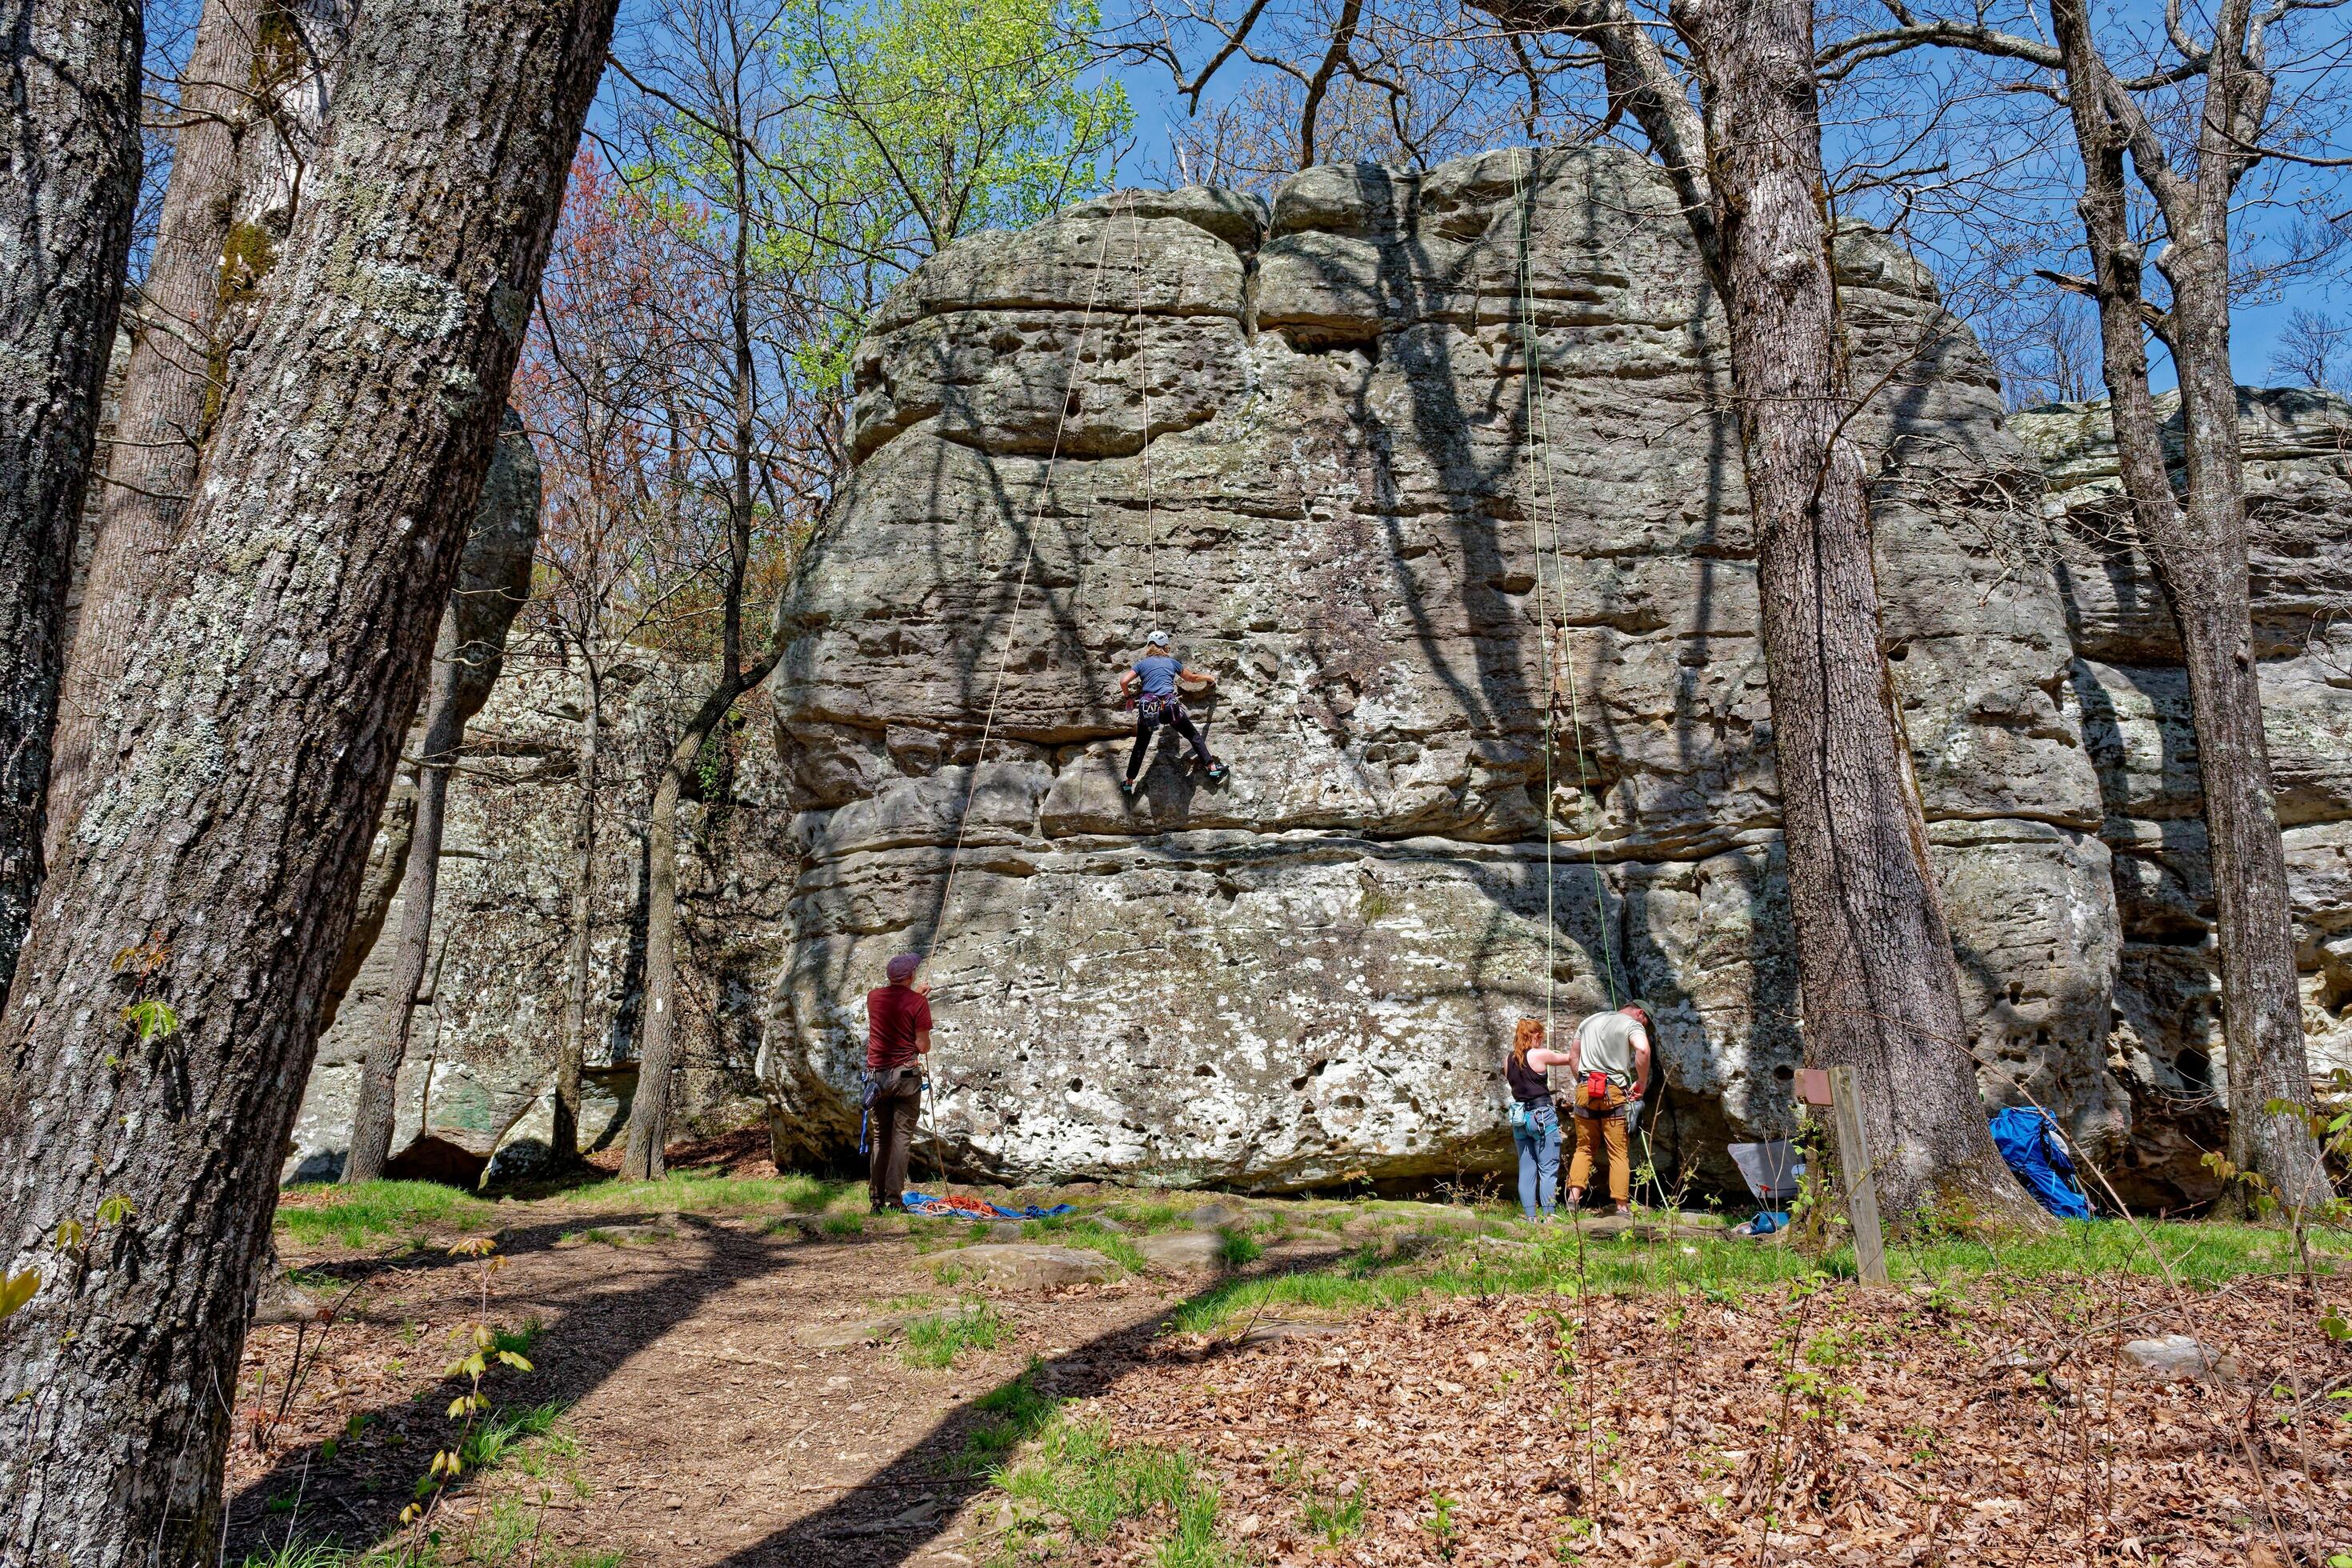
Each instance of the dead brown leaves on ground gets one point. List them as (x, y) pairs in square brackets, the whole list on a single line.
[(1830, 1426)]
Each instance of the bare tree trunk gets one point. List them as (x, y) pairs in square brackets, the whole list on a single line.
[(493, 583), (372, 1117), (564, 1143), (171, 386), (1874, 955), (200, 906), (2198, 549), (649, 1112), (657, 1057), (69, 182)]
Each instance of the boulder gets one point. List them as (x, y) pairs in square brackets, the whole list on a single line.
[(2180, 1358), (1302, 441), (1026, 1266), (1182, 1251)]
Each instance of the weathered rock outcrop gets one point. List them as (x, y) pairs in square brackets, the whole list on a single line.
[(1301, 437), (2131, 698), (476, 1089)]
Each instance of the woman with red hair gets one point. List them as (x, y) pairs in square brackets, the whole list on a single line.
[(1534, 1121)]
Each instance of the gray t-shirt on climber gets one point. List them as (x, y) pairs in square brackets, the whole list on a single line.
[(1158, 673), (1606, 1043)]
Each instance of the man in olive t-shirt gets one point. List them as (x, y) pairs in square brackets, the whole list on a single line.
[(898, 1036)]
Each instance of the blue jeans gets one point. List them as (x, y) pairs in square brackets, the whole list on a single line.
[(1539, 1143)]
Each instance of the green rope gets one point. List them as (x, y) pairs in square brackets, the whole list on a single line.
[(1539, 441)]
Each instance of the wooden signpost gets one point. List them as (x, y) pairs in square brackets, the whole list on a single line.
[(1835, 1089)]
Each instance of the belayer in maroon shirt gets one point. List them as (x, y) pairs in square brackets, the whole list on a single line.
[(898, 1035)]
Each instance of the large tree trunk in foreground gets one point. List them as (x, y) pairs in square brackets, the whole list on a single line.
[(176, 376), (69, 182), (1873, 955), (493, 581), (2198, 549), (204, 900)]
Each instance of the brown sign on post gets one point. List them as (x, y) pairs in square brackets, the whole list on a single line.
[(1812, 1086)]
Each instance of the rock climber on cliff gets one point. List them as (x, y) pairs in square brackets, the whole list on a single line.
[(1609, 1058), (1153, 686), (898, 1038)]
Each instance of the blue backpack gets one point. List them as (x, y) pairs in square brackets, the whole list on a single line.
[(2029, 1140)]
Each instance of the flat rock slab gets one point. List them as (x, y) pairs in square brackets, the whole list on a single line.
[(1217, 1215), (2178, 1358), (1275, 1331), (621, 1236), (1182, 1251), (856, 1332), (1026, 1266)]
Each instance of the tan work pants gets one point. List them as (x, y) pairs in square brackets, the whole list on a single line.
[(1597, 1122)]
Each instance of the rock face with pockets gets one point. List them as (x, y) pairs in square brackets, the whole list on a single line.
[(1307, 440)]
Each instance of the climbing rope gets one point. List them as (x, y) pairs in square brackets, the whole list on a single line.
[(1538, 415), (1143, 380), (1070, 394)]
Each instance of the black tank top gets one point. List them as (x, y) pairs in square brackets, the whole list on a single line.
[(1528, 1086)]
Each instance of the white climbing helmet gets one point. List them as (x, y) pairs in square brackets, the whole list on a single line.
[(1157, 639)]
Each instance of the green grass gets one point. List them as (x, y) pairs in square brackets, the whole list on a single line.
[(709, 1192), (505, 1431), (1237, 1250), (519, 1336), (500, 1541), (1011, 1414), (844, 1224), (371, 1210), (1078, 1230), (2203, 1253), (1337, 1518), (936, 1339), (1079, 1482)]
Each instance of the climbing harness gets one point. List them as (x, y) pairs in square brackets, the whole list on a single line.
[(1556, 666), (1559, 667)]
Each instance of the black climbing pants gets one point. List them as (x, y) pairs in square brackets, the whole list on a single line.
[(891, 1134), (1176, 718)]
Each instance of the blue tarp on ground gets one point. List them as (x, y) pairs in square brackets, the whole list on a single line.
[(974, 1208), (2029, 1140)]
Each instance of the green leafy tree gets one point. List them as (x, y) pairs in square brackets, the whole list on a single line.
[(801, 157)]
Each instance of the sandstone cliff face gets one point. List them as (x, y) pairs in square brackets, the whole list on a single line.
[(1301, 437), (476, 1092), (2131, 702)]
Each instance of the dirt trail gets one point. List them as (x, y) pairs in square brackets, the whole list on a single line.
[(710, 1429), (725, 1403)]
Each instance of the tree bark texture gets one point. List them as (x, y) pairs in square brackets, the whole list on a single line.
[(154, 1048), (657, 1055), (571, 1065), (1874, 955), (371, 1115), (493, 581), (216, 244), (2197, 544), (68, 183)]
